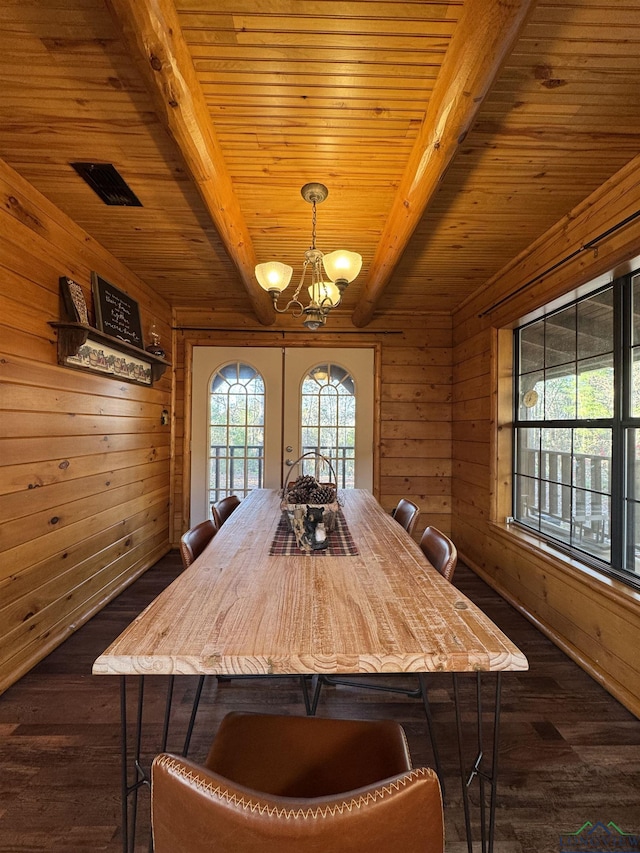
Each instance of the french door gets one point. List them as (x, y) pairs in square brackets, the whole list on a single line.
[(256, 410)]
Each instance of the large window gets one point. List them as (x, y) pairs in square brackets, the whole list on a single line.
[(577, 427)]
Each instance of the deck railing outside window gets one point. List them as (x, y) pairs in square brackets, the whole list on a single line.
[(342, 459), (566, 496), (235, 470), (238, 470)]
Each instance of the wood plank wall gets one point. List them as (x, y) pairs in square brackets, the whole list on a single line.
[(594, 619), (413, 456), (84, 460)]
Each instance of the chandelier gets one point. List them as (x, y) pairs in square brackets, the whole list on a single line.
[(340, 267)]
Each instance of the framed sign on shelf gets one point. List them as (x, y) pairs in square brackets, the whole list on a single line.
[(117, 313), (74, 301)]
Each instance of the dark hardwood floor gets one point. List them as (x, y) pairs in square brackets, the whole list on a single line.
[(569, 753)]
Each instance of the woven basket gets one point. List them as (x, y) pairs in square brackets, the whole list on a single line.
[(330, 510)]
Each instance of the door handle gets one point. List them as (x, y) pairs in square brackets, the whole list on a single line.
[(289, 462)]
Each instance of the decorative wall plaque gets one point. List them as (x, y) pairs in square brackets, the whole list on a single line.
[(74, 301), (117, 313), (101, 358)]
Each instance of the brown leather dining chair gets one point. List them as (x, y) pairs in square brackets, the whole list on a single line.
[(195, 540), (406, 514), (222, 509), (440, 551), (278, 784)]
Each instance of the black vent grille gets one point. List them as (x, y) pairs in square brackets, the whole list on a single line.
[(106, 181)]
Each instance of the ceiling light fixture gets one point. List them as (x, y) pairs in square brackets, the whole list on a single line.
[(341, 267)]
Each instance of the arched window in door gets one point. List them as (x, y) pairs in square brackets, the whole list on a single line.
[(328, 420), (236, 431)]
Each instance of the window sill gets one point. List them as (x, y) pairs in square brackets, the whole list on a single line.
[(582, 573)]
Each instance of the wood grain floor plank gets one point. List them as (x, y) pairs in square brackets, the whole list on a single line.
[(569, 751)]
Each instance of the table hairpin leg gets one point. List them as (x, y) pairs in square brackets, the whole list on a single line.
[(304, 686), (127, 789), (422, 678), (494, 764), (192, 718), (141, 776), (484, 777)]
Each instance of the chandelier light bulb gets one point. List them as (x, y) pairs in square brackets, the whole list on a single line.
[(324, 293), (274, 276), (342, 265)]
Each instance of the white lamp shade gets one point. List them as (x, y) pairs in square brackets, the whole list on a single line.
[(342, 265), (273, 275), (319, 291)]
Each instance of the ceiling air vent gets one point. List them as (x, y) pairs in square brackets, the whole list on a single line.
[(107, 183)]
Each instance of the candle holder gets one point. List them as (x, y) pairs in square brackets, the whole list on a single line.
[(154, 347)]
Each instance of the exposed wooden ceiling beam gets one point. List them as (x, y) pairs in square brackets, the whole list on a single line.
[(152, 32), (483, 38)]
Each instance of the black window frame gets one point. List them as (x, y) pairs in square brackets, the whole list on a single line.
[(624, 540)]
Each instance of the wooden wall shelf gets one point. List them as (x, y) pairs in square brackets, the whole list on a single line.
[(106, 355)]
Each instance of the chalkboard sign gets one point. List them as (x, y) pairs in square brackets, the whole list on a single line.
[(117, 314)]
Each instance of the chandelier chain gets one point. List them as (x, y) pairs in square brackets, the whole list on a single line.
[(313, 225)]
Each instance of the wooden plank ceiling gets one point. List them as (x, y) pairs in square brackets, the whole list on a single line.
[(336, 92)]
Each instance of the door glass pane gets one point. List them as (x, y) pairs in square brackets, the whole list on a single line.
[(328, 418), (236, 431)]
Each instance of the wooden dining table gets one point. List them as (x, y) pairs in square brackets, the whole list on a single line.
[(372, 604)]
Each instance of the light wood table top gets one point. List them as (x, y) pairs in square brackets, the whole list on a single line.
[(239, 611)]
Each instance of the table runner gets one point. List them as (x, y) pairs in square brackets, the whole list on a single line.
[(341, 542)]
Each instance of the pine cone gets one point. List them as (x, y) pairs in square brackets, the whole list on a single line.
[(323, 495), (302, 488)]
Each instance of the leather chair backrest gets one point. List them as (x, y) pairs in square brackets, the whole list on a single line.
[(440, 551), (406, 513), (195, 810), (195, 540), (222, 509)]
